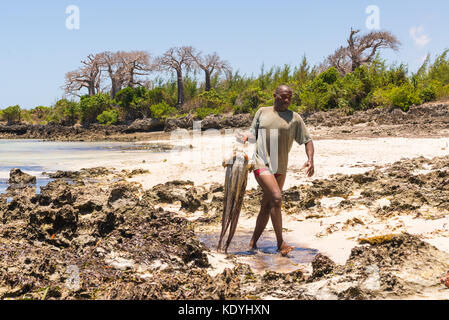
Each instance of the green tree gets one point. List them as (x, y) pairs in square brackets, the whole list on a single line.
[(130, 101), (303, 73), (92, 106), (439, 70), (12, 114), (66, 112)]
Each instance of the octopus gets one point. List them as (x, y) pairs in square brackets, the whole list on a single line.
[(236, 177)]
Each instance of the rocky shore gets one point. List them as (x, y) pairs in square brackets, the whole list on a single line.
[(426, 120), (92, 234), (140, 129)]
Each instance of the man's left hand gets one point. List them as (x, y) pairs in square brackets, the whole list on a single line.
[(310, 168)]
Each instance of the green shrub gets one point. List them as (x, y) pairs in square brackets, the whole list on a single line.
[(12, 114), (156, 95), (203, 112), (315, 96), (64, 112), (210, 99), (25, 115), (92, 106), (354, 90), (428, 94), (442, 92), (403, 97), (124, 97), (381, 97), (231, 96), (41, 112), (329, 76), (108, 117), (396, 76), (191, 88), (52, 117), (133, 102), (251, 100), (162, 110)]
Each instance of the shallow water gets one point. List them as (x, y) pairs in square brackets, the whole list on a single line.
[(266, 257), (35, 156), (39, 183)]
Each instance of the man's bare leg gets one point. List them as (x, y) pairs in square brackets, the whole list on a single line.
[(270, 207), (264, 214), (261, 222)]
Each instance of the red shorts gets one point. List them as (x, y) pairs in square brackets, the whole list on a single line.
[(259, 171)]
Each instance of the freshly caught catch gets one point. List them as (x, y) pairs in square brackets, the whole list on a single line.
[(237, 168)]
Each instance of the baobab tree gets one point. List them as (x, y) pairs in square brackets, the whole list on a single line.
[(136, 63), (88, 76), (124, 69), (209, 64), (361, 50), (112, 63), (177, 59)]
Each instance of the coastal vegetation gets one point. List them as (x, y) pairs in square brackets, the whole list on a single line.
[(113, 88)]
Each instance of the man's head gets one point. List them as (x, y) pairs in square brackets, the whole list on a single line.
[(282, 97)]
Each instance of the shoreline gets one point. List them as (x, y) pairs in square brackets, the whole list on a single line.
[(427, 120)]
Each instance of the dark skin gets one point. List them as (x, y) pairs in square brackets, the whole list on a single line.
[(272, 186)]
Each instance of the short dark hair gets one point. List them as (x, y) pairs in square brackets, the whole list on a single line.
[(282, 87)]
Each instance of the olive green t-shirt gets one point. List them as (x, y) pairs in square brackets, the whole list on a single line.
[(275, 131)]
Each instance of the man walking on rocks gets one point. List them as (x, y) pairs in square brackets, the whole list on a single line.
[(273, 130)]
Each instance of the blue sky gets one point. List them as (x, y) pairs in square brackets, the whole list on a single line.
[(37, 48)]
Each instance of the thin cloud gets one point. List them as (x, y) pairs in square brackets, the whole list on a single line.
[(420, 39)]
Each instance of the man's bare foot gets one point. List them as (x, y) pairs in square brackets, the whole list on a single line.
[(252, 245), (284, 249)]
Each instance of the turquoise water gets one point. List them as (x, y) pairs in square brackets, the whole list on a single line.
[(36, 156)]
